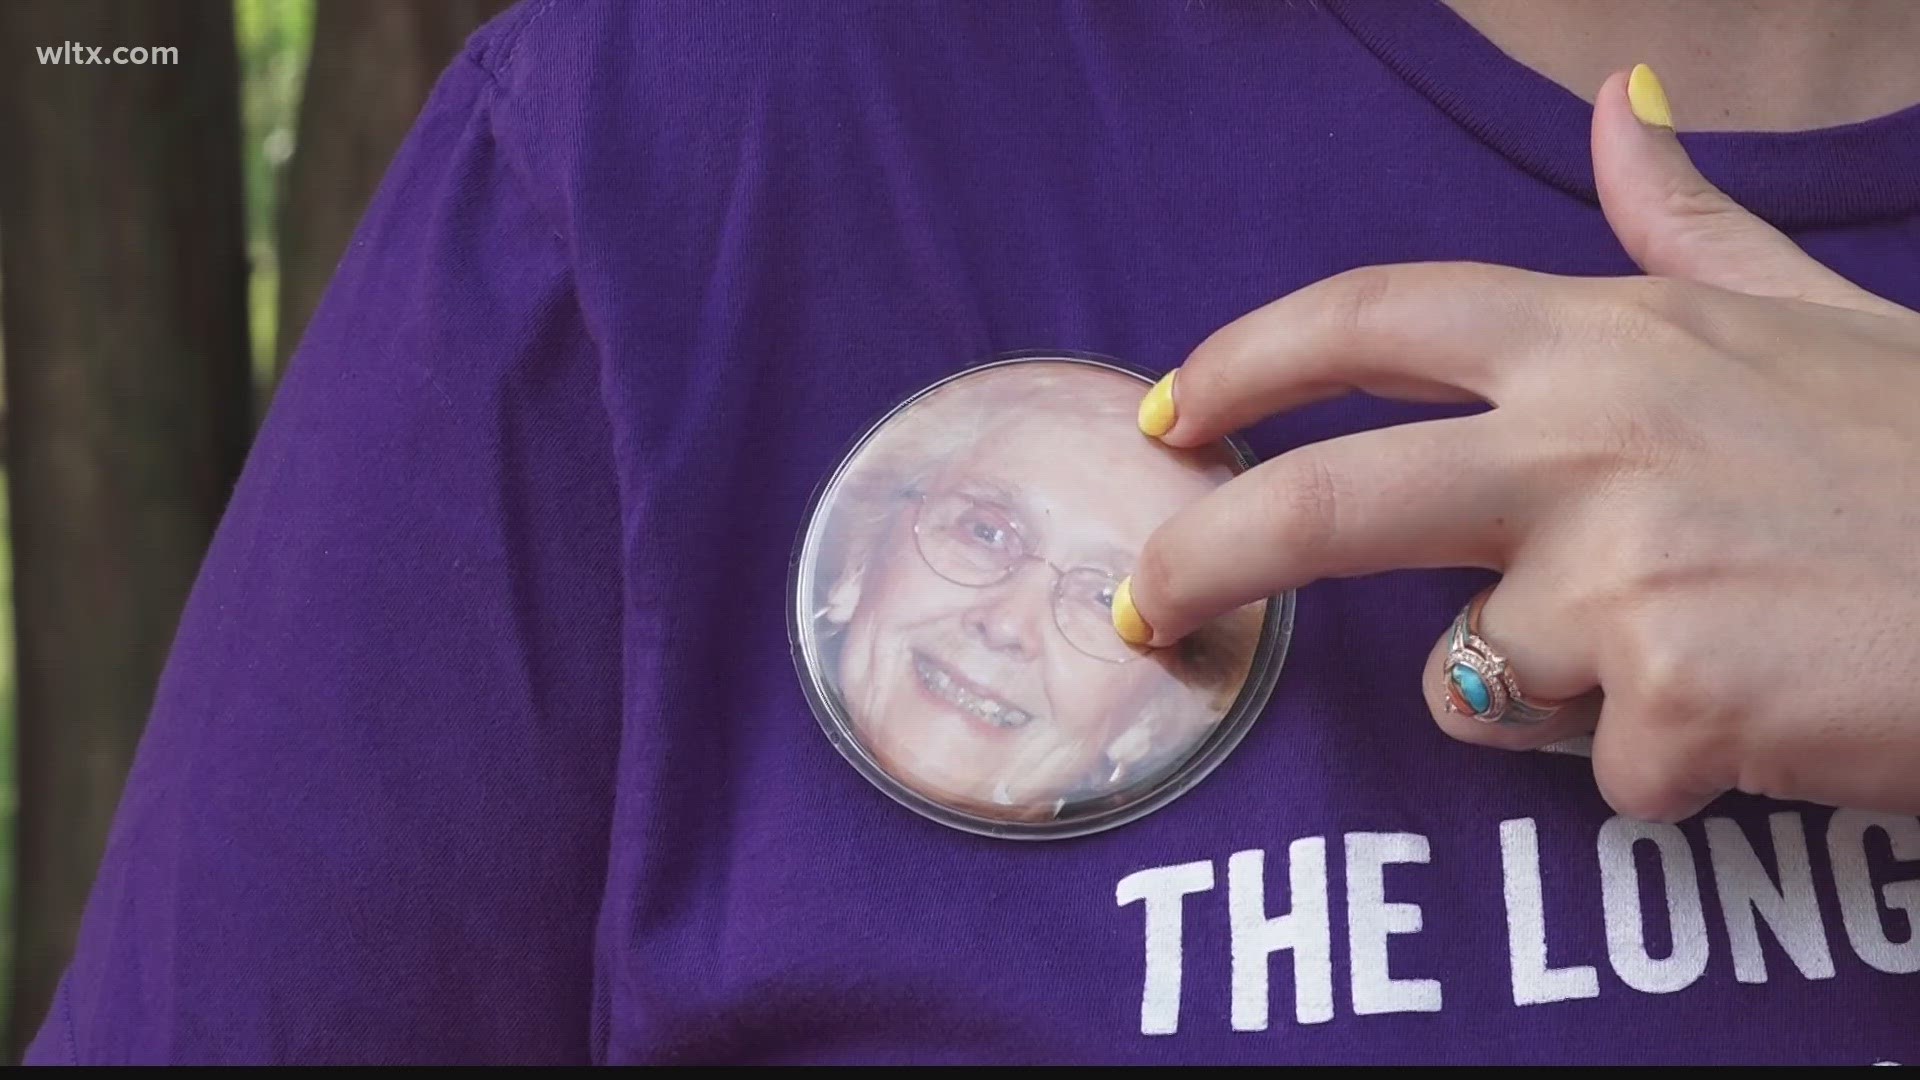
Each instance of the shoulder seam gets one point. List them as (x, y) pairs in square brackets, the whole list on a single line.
[(515, 166), (539, 10), (506, 41)]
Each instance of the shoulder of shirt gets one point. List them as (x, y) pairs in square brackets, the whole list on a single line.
[(581, 89), (491, 47), (543, 46), (552, 55)]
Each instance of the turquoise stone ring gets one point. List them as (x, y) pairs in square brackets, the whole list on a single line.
[(1471, 688), (1480, 682)]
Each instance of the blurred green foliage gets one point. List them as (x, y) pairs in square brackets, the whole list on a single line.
[(274, 36)]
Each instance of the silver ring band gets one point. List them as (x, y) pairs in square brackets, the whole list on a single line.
[(1480, 682)]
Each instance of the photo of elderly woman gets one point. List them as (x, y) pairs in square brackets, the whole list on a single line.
[(956, 588)]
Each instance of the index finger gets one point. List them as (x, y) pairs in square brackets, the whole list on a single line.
[(1428, 332)]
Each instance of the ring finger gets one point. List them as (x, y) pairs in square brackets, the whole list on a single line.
[(1515, 670)]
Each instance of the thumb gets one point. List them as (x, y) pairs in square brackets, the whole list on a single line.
[(1675, 224)]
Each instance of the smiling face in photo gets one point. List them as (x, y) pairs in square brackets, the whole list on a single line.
[(978, 657)]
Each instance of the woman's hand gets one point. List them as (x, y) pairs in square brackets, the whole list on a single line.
[(1701, 488)]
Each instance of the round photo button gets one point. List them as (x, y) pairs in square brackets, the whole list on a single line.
[(951, 607)]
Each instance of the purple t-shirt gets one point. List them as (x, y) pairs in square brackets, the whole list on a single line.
[(482, 739)]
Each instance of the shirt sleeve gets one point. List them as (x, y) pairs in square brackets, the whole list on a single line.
[(368, 817)]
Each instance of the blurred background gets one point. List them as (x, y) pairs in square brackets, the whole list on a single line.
[(165, 230)]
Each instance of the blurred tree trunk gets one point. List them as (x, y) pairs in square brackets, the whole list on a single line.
[(372, 65), (121, 245)]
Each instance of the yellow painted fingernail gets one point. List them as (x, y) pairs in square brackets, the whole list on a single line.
[(1648, 97), (1156, 409), (1126, 618)]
